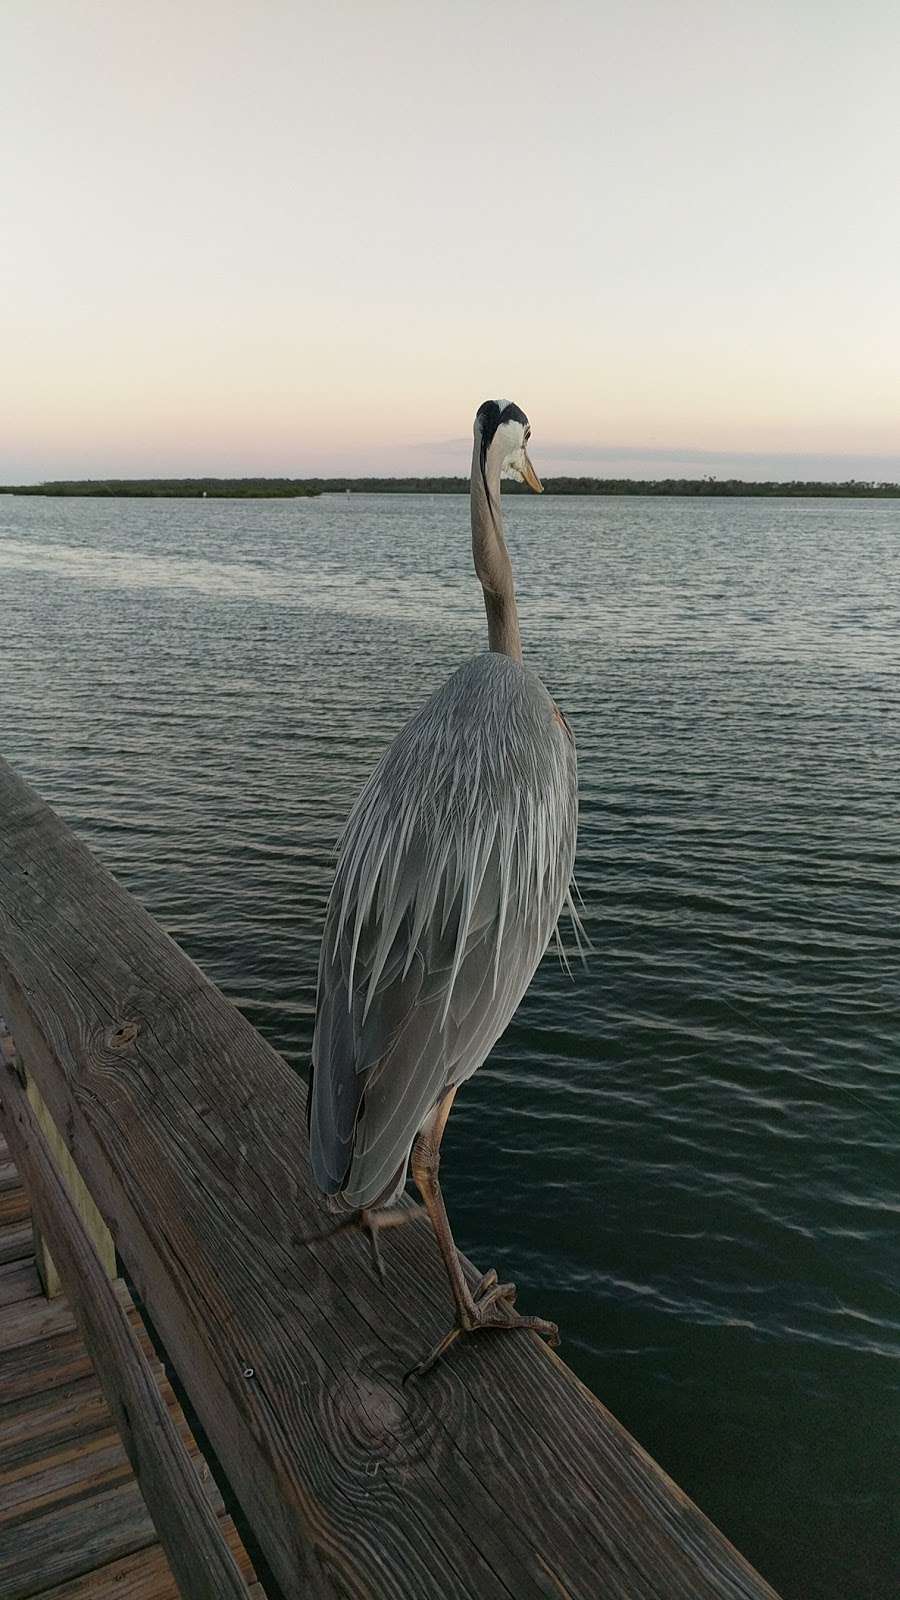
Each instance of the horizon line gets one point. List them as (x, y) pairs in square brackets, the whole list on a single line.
[(348, 478)]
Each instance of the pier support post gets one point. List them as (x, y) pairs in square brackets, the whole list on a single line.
[(100, 1236)]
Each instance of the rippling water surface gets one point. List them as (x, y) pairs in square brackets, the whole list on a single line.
[(687, 1155)]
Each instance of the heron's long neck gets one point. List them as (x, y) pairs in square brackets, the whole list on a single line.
[(492, 562)]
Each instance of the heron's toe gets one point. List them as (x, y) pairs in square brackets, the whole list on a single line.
[(488, 1291)]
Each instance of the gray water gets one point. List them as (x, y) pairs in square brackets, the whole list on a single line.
[(686, 1154)]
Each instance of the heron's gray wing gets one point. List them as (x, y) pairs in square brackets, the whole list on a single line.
[(382, 1059), (345, 1045), (451, 876)]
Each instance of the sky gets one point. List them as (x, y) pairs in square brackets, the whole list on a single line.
[(290, 238)]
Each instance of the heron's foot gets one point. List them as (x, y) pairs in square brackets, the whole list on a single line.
[(491, 1307), (370, 1223)]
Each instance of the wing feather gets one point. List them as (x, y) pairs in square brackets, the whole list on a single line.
[(451, 875)]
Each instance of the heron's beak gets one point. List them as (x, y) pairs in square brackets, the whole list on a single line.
[(530, 476)]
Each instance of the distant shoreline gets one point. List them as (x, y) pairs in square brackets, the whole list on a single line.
[(303, 488)]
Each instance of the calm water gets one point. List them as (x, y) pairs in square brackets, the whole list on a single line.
[(687, 1156)]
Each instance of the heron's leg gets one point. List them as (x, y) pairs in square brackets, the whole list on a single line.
[(492, 1304), (369, 1222)]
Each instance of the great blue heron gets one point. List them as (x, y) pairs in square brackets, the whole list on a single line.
[(452, 872)]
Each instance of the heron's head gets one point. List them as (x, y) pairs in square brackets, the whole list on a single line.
[(502, 431)]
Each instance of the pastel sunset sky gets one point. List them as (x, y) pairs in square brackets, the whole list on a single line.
[(285, 238)]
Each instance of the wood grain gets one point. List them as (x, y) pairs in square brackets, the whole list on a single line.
[(14, 1207), (178, 1497), (94, 1226), (498, 1475), (33, 1320), (79, 1466), (66, 1542), (50, 1364), (37, 1424), (18, 1281), (15, 1242), (144, 1575)]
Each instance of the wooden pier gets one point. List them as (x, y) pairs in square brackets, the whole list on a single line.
[(496, 1477), (73, 1522)]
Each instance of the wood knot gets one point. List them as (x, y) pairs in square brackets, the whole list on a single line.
[(371, 1412), (374, 1423), (123, 1036)]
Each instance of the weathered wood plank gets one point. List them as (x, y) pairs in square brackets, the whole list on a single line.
[(180, 1504), (18, 1281), (15, 1206), (51, 1364), (146, 1575), (36, 1368), (81, 1199), (80, 1467), (498, 1475), (15, 1242), (31, 1321), (94, 1226), (37, 1424), (70, 1540)]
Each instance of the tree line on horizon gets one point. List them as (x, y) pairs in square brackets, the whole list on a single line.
[(170, 488), (294, 488)]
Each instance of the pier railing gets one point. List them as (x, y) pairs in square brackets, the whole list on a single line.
[(497, 1475)]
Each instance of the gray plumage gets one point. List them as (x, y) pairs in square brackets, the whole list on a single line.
[(452, 872)]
